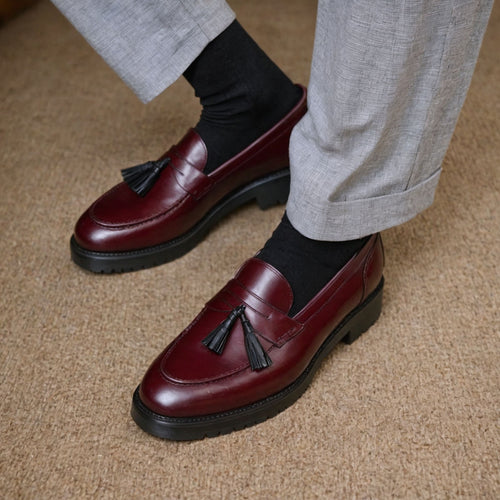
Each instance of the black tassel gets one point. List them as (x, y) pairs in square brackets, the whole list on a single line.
[(217, 338), (142, 178), (257, 356)]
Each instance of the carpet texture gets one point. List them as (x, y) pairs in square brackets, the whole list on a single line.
[(409, 410)]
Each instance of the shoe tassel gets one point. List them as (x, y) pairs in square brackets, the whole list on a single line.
[(257, 356), (142, 178), (217, 338)]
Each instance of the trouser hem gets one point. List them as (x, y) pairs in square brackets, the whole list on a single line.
[(352, 219), (148, 44)]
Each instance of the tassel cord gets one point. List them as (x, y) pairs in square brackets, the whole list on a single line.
[(141, 178), (257, 356), (217, 338)]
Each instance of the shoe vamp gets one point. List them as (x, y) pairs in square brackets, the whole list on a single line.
[(121, 206), (189, 361)]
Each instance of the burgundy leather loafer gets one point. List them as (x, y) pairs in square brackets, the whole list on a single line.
[(166, 207), (243, 359)]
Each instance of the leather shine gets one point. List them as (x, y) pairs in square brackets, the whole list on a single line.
[(120, 220), (189, 380)]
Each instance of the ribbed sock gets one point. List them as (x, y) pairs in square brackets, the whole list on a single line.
[(242, 93), (308, 265)]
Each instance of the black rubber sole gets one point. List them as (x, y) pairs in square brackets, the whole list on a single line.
[(266, 191), (192, 428)]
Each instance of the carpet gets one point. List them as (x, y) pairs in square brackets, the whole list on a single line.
[(409, 410)]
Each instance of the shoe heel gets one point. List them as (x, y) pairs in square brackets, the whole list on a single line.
[(274, 191), (365, 317)]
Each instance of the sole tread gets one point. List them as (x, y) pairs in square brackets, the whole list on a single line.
[(193, 428), (268, 191)]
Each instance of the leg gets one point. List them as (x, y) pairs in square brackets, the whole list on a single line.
[(149, 44), (237, 152), (387, 84)]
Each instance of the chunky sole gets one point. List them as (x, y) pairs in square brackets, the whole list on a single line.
[(192, 428), (266, 191)]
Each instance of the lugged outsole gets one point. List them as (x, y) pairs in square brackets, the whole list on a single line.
[(194, 428), (267, 191)]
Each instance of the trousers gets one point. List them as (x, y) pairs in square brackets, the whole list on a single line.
[(388, 80)]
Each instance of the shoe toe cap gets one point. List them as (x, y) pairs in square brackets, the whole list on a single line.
[(90, 235), (167, 398), (118, 221)]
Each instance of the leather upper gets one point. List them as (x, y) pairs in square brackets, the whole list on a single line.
[(120, 220), (187, 379)]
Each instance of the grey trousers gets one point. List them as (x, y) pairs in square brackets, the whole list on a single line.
[(388, 80)]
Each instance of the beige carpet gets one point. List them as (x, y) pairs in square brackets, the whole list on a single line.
[(410, 410)]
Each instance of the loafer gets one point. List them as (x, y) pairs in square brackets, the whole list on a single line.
[(164, 208), (244, 359)]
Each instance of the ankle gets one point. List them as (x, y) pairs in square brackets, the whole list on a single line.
[(308, 265), (242, 93)]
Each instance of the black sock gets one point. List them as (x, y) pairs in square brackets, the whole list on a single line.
[(308, 265), (243, 94)]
